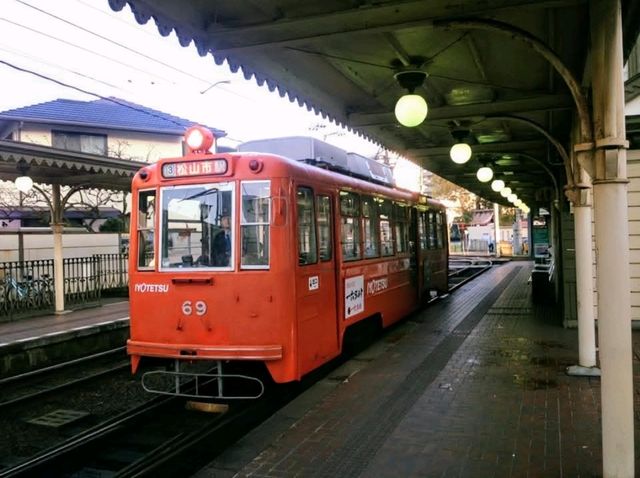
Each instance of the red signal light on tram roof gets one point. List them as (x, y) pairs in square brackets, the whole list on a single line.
[(255, 165), (199, 139)]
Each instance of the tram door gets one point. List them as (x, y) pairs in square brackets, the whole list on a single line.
[(315, 284)]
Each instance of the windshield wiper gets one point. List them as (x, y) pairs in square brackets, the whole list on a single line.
[(206, 192)]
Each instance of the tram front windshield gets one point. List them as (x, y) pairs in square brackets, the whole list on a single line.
[(197, 227)]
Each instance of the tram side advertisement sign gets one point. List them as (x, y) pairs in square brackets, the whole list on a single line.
[(353, 296)]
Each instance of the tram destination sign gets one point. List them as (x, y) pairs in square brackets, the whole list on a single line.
[(184, 169)]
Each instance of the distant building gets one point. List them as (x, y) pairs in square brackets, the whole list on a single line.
[(40, 216)]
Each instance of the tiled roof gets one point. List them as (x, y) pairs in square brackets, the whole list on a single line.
[(107, 113)]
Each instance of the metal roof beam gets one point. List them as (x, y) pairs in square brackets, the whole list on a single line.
[(510, 147), (538, 103), (379, 18)]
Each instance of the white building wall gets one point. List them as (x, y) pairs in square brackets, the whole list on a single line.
[(633, 171), (632, 107), (40, 246), (125, 144)]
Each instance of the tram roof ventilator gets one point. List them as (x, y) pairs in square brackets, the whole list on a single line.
[(324, 155)]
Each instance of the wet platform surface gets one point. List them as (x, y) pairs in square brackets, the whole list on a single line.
[(38, 328), (472, 386), (37, 342)]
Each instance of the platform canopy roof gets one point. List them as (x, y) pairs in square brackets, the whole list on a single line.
[(339, 58), (57, 166)]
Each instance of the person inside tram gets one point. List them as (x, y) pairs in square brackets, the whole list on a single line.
[(222, 243)]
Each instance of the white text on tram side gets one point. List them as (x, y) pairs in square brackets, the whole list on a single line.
[(376, 285), (143, 288)]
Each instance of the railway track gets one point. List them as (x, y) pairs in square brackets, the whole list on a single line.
[(39, 383), (151, 440), (465, 269)]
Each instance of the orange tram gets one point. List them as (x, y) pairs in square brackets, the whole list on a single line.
[(270, 259)]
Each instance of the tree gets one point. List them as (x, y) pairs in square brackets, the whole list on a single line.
[(91, 200), (507, 215), (113, 224), (467, 201)]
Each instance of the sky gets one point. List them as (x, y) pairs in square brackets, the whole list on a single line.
[(83, 43)]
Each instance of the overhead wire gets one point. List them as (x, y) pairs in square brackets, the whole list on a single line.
[(93, 52), (185, 73), (121, 45), (74, 45), (24, 54), (91, 93), (118, 18)]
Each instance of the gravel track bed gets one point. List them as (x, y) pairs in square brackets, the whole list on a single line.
[(100, 399)]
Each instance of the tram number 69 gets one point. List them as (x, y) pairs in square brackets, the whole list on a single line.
[(200, 307)]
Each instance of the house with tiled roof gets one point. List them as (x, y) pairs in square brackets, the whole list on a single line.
[(107, 126)]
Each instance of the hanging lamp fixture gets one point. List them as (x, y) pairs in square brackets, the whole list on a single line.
[(23, 182), (460, 152), (411, 109)]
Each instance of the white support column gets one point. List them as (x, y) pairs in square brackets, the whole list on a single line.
[(496, 223), (516, 242), (58, 269), (584, 287), (614, 328), (612, 240)]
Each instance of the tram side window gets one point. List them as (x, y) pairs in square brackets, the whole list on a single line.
[(400, 213), (439, 235), (370, 221), (350, 222), (254, 224), (422, 229), (432, 230), (386, 236), (324, 228), (307, 253), (145, 229)]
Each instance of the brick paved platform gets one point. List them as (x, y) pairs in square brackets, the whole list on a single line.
[(473, 386)]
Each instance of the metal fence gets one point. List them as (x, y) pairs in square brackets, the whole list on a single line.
[(27, 288)]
